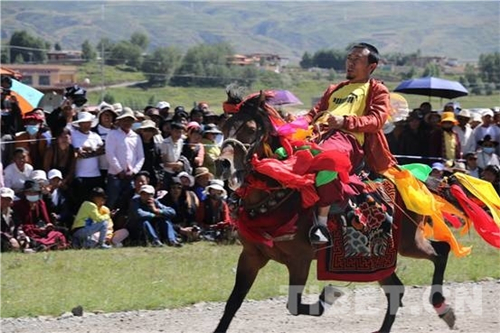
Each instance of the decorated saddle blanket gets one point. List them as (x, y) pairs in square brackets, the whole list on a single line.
[(364, 239)]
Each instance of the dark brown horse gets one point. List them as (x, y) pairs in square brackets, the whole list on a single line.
[(297, 253)]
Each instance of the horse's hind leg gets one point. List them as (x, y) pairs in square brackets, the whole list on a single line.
[(413, 244), (394, 291), (249, 264)]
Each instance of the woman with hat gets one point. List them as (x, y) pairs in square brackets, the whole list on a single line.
[(151, 142), (444, 142), (214, 209), (32, 139), (212, 149), (486, 154), (106, 122), (34, 219), (202, 177), (88, 146), (193, 149)]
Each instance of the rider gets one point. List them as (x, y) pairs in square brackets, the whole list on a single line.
[(351, 115)]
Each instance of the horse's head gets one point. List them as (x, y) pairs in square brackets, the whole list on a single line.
[(251, 127)]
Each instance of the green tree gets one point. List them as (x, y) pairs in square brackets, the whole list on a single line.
[(57, 47), (431, 70), (5, 57), (330, 59), (470, 74), (108, 98), (31, 49), (125, 53), (19, 59), (204, 65), (140, 39), (88, 51), (489, 67), (307, 61), (104, 45), (161, 64)]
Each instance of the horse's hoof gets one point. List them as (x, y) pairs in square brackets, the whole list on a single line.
[(449, 318), (330, 294)]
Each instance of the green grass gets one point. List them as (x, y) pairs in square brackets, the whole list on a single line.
[(155, 278), (306, 90), (112, 74)]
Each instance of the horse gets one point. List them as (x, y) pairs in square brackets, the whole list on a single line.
[(296, 253)]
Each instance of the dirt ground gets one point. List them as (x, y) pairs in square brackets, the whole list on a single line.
[(477, 307)]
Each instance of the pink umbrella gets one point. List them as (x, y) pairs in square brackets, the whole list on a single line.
[(284, 97)]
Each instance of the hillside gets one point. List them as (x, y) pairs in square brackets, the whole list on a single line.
[(455, 29)]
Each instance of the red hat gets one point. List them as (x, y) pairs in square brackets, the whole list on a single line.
[(33, 116)]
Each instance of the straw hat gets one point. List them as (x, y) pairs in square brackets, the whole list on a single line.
[(84, 117), (216, 184), (188, 176), (149, 124), (201, 171), (126, 113)]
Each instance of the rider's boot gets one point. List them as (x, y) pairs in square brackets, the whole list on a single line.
[(319, 233)]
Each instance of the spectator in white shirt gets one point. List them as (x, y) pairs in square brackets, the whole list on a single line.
[(486, 155), (171, 149), (88, 146), (488, 127), (106, 117), (464, 132), (16, 173), (125, 156)]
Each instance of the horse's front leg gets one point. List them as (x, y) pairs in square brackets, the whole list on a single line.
[(299, 271), (249, 264)]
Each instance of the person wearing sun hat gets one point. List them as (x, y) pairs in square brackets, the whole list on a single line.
[(106, 122), (464, 131), (8, 241), (34, 219), (202, 177), (32, 139), (125, 156), (487, 127), (486, 153), (444, 142), (212, 148), (214, 209), (88, 146), (151, 142), (149, 213)]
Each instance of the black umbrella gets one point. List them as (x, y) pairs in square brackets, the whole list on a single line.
[(432, 86)]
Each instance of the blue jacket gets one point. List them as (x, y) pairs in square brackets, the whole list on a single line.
[(140, 211)]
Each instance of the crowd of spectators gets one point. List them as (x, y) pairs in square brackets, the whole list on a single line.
[(110, 176)]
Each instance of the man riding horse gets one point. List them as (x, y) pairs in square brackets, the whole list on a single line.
[(349, 119)]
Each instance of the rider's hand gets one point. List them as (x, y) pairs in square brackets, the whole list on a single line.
[(335, 122)]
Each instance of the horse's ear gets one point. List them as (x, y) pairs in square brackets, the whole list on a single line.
[(262, 97)]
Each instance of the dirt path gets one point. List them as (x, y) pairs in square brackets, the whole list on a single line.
[(477, 306)]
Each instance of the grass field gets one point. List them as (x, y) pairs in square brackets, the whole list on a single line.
[(154, 278), (306, 90)]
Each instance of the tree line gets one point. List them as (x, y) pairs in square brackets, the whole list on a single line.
[(206, 65)]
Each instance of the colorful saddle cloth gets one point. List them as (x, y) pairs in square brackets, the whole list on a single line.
[(364, 239)]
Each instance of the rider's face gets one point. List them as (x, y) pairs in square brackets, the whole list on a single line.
[(357, 67)]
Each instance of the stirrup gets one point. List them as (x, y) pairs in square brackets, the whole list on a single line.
[(319, 235)]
